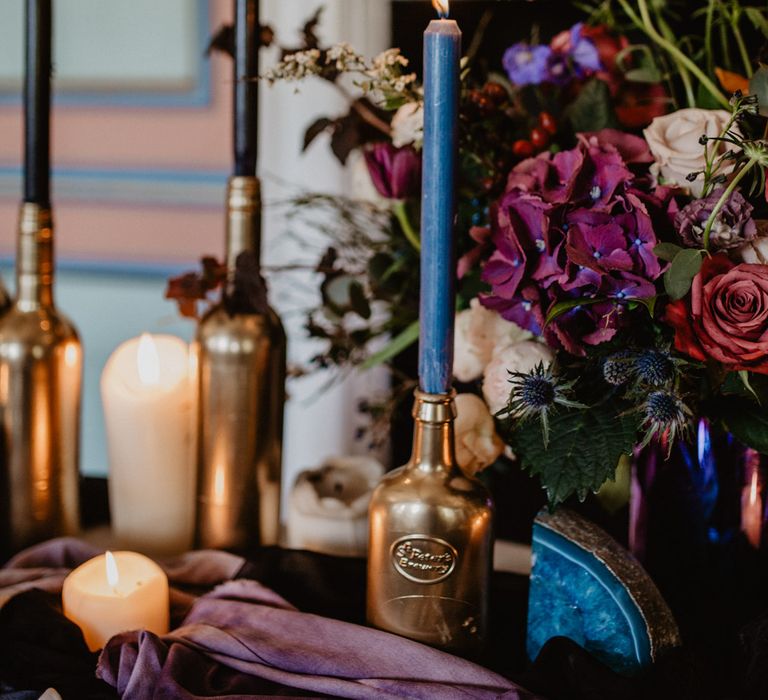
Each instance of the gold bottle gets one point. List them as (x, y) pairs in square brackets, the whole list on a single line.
[(40, 384), (430, 547), (241, 365)]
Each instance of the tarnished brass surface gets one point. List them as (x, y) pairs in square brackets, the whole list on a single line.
[(40, 384), (430, 548), (241, 366)]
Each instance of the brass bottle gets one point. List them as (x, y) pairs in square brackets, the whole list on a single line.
[(242, 360), (40, 383), (430, 547)]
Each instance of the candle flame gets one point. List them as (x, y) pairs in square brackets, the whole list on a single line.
[(753, 489), (442, 7), (112, 574), (148, 361)]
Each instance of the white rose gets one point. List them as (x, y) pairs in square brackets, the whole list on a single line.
[(520, 357), (674, 143), (477, 443), (756, 251), (478, 332), (408, 125)]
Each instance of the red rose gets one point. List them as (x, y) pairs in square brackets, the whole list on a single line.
[(726, 317)]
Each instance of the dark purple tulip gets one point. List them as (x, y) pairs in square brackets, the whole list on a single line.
[(395, 172)]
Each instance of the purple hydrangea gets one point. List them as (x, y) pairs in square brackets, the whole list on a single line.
[(527, 65), (573, 227), (733, 226), (395, 172)]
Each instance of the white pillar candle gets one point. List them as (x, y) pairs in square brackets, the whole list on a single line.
[(115, 593), (148, 394)]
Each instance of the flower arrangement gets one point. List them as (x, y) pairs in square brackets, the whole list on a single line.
[(613, 235)]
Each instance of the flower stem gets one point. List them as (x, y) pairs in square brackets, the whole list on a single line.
[(644, 23), (723, 199), (401, 214), (742, 47)]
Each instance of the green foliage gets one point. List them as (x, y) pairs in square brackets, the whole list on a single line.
[(747, 421), (758, 85), (592, 110), (584, 448), (399, 343), (679, 277), (667, 251)]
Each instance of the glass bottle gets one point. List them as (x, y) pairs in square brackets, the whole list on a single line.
[(430, 549), (242, 367), (40, 385)]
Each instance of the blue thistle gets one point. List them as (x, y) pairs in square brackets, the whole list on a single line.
[(619, 368), (537, 393), (666, 417), (655, 368)]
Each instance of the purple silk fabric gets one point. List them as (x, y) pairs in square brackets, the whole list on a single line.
[(243, 640)]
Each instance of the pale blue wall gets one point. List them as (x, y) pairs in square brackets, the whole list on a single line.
[(109, 307)]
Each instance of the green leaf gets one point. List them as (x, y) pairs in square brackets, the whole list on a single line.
[(758, 85), (679, 277), (744, 377), (395, 346), (592, 110), (584, 448), (562, 306), (649, 303), (667, 251), (648, 74), (758, 19), (747, 422)]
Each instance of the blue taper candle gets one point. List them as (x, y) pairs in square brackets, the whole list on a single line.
[(442, 55)]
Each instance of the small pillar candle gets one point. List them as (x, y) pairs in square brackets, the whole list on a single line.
[(148, 394), (115, 593)]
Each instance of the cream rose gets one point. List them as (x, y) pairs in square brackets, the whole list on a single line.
[(520, 357), (478, 332), (408, 125), (674, 143), (756, 251), (477, 443)]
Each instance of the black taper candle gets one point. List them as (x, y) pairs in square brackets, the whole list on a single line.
[(37, 103), (246, 92)]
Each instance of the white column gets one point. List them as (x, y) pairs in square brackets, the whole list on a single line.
[(320, 421)]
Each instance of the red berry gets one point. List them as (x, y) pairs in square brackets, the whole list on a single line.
[(547, 122), (522, 148), (495, 91), (539, 138)]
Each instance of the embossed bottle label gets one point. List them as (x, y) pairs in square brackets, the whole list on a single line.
[(423, 559)]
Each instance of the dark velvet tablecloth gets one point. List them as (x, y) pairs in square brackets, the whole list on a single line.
[(39, 648)]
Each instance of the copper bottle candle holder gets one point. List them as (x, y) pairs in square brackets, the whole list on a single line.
[(430, 547), (241, 368), (40, 383)]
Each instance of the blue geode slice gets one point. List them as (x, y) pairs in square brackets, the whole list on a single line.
[(587, 587)]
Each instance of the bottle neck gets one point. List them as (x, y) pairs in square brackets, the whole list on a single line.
[(243, 221), (34, 257), (434, 442)]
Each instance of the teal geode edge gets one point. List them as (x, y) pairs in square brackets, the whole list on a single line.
[(648, 617)]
